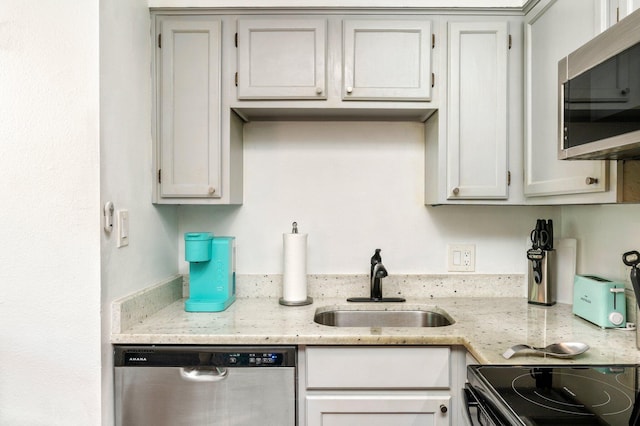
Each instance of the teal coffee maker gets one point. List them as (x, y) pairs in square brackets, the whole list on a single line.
[(212, 272)]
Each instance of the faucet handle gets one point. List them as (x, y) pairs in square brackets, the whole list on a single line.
[(380, 271), (376, 258)]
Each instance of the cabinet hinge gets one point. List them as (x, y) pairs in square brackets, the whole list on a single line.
[(433, 79), (508, 178), (159, 175), (236, 78), (236, 39), (510, 41), (433, 41), (160, 41)]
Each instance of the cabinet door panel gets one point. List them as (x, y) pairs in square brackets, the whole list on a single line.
[(282, 59), (377, 410), (477, 107), (369, 368), (553, 33), (387, 60), (190, 108)]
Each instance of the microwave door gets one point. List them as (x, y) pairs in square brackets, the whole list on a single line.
[(603, 87), (600, 108)]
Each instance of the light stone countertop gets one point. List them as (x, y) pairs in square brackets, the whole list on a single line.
[(485, 326)]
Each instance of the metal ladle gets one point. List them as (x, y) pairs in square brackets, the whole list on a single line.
[(558, 350)]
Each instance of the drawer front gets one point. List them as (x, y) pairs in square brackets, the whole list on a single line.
[(372, 410), (378, 368)]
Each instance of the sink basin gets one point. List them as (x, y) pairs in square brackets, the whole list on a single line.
[(382, 318)]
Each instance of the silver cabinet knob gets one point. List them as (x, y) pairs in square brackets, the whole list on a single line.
[(443, 409), (591, 180), (349, 89), (456, 191), (212, 190)]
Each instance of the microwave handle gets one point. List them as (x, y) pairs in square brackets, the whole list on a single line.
[(562, 79)]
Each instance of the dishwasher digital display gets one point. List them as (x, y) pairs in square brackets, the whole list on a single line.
[(253, 359)]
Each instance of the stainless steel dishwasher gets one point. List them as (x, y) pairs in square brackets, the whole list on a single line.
[(205, 385)]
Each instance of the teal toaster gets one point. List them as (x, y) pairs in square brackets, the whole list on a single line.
[(599, 301)]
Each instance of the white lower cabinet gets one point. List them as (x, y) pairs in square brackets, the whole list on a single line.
[(377, 410), (376, 385)]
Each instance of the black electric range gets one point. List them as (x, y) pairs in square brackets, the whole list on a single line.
[(554, 394)]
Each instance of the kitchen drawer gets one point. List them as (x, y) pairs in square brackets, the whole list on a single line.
[(377, 367)]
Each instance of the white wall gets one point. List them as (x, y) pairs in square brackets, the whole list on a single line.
[(125, 165), (354, 187), (49, 220), (604, 233)]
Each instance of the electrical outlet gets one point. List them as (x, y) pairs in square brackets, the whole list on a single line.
[(461, 257)]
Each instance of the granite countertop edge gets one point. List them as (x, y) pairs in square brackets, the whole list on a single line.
[(485, 326)]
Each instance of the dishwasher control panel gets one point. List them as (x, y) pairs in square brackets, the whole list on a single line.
[(235, 356), (243, 359)]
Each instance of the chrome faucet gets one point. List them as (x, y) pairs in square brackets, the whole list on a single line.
[(378, 272)]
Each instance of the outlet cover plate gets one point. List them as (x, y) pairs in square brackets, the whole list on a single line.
[(461, 257)]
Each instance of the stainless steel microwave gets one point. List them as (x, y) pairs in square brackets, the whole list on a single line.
[(599, 96)]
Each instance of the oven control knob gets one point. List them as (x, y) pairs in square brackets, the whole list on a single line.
[(616, 318), (443, 409)]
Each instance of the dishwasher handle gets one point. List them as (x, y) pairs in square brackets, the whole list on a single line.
[(204, 374)]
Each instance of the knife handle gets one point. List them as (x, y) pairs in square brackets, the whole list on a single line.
[(631, 258)]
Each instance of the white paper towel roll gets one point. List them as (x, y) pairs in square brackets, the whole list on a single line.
[(294, 277)]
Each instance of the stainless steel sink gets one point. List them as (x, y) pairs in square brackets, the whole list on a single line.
[(382, 318)]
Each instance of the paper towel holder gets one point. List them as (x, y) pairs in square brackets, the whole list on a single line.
[(282, 300)]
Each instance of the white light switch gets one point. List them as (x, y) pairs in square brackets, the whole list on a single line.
[(122, 217), (461, 257)]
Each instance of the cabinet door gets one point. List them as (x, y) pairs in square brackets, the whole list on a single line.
[(377, 410), (617, 10), (387, 60), (553, 30), (189, 107), (477, 151), (282, 59)]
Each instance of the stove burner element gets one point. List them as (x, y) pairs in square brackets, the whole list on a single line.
[(581, 396), (559, 394)]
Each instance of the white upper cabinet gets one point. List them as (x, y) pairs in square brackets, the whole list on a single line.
[(189, 91), (315, 66), (197, 144), (477, 160), (553, 30), (282, 58), (473, 143), (615, 10), (387, 60)]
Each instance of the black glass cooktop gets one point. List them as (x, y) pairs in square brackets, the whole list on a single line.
[(559, 395)]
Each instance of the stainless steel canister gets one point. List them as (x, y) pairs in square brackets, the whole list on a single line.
[(637, 328), (542, 278)]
